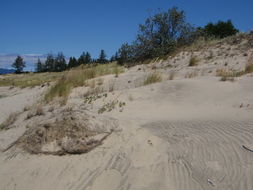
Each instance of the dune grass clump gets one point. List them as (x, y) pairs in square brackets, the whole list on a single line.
[(193, 61), (79, 77), (153, 78)]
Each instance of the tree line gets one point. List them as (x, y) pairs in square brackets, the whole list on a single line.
[(59, 62), (164, 32), (160, 35)]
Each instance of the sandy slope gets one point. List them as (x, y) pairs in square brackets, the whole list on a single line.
[(181, 134), (15, 99), (192, 132)]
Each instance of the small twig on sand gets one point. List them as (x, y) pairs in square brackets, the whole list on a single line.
[(210, 182), (246, 148)]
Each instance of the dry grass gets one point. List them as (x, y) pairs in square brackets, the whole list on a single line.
[(249, 68), (153, 78), (226, 73), (29, 79), (9, 121), (79, 77), (38, 111), (225, 78), (193, 61)]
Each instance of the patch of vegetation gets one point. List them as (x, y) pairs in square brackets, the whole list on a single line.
[(79, 77), (70, 134), (90, 99), (226, 74), (153, 78), (249, 68), (112, 105), (226, 78), (37, 112), (220, 29), (29, 79), (193, 61), (9, 121)]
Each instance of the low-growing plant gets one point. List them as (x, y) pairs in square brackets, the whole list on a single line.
[(78, 77), (39, 111), (193, 61), (9, 121), (153, 78), (249, 68), (226, 73), (225, 78)]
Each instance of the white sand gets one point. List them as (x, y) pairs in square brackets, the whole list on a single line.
[(184, 134)]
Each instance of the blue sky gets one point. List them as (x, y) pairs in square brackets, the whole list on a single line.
[(74, 26)]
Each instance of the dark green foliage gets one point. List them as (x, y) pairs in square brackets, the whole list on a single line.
[(102, 57), (125, 54), (72, 62), (19, 64), (60, 63), (162, 32), (165, 32), (85, 58), (158, 36), (81, 59), (220, 29), (49, 63), (112, 58), (39, 67)]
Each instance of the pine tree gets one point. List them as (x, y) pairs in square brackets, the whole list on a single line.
[(60, 63), (81, 59), (39, 66), (19, 64), (102, 57), (50, 63), (112, 58), (72, 62), (87, 58)]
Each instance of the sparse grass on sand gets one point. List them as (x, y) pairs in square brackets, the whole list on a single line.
[(193, 61), (249, 68), (225, 74), (78, 77), (29, 79), (153, 78), (225, 78), (9, 121)]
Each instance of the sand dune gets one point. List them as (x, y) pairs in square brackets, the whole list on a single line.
[(192, 132)]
